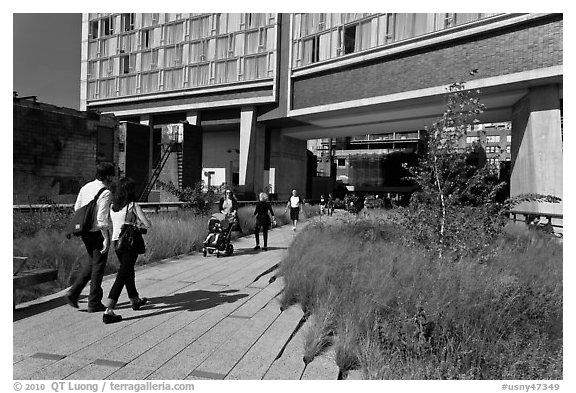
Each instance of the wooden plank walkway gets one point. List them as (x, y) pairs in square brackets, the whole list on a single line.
[(208, 318)]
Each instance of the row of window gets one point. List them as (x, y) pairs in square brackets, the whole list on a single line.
[(227, 47), (489, 139), (318, 37), (209, 73), (195, 26), (251, 41)]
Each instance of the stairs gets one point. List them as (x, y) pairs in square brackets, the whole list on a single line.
[(156, 172)]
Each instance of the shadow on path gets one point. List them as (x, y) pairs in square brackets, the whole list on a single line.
[(187, 301), (33, 309)]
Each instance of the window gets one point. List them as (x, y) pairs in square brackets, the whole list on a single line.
[(493, 139), (173, 56), (127, 21), (508, 149), (94, 29), (349, 39), (341, 162), (107, 26), (471, 139), (147, 38), (509, 138), (127, 63)]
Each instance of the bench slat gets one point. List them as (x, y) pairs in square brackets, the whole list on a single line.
[(32, 277)]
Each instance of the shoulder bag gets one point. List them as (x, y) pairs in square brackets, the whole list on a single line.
[(130, 239)]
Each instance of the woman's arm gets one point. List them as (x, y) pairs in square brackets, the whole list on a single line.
[(142, 217)]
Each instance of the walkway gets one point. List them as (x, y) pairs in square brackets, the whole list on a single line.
[(208, 318)]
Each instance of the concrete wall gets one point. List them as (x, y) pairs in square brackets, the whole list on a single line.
[(288, 157), (55, 150)]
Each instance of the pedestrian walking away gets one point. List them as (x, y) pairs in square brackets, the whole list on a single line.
[(330, 204), (263, 220), (322, 205), (124, 211), (294, 204), (96, 240)]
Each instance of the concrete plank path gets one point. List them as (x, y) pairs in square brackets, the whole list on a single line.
[(208, 318)]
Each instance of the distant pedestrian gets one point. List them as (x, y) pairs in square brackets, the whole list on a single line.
[(322, 205), (330, 205), (96, 241), (294, 204), (263, 220), (124, 211)]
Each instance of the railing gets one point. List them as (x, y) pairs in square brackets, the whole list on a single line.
[(148, 206), (529, 216)]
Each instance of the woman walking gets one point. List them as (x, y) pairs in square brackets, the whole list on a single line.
[(294, 204), (124, 211), (263, 222)]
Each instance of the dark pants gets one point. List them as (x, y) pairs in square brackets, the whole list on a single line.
[(124, 277), (264, 234), (93, 270)]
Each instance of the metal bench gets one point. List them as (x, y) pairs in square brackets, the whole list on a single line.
[(24, 279)]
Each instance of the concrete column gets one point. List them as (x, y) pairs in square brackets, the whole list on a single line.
[(252, 149), (537, 148), (147, 120), (288, 161)]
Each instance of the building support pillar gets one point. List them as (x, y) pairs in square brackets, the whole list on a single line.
[(252, 151), (537, 148)]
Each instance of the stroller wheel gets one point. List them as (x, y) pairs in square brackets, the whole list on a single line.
[(210, 251), (230, 249), (204, 251), (217, 254)]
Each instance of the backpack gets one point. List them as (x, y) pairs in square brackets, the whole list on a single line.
[(82, 219)]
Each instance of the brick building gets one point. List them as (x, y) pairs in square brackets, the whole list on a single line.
[(55, 150)]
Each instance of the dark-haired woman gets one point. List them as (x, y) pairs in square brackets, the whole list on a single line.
[(124, 211)]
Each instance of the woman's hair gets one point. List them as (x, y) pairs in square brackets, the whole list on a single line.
[(263, 196), (231, 193), (123, 192)]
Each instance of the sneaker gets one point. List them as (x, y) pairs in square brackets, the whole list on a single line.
[(100, 307), (264, 248), (294, 228), (111, 318), (139, 303), (71, 300), (257, 248)]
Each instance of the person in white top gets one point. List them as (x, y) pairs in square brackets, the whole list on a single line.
[(123, 211), (294, 204), (96, 241)]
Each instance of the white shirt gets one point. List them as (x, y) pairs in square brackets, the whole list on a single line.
[(294, 201), (87, 194), (118, 219)]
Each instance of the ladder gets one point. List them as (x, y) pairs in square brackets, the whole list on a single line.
[(156, 172)]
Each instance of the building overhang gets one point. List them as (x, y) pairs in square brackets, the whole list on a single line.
[(417, 109)]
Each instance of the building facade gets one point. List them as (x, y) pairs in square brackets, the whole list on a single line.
[(258, 86)]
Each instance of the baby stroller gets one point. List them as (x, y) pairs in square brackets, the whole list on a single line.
[(218, 238)]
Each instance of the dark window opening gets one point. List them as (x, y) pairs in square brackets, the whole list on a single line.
[(94, 29), (349, 39)]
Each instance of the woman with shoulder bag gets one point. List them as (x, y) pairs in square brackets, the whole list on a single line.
[(128, 224)]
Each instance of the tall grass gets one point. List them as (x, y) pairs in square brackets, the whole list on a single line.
[(416, 316)]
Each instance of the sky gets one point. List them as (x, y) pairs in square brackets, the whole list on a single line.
[(46, 57)]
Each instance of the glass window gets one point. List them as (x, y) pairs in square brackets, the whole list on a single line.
[(509, 138), (94, 29), (493, 139), (127, 22)]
